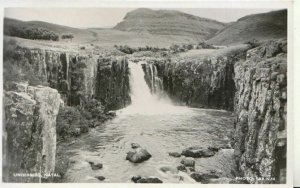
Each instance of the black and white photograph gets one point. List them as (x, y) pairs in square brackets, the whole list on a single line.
[(145, 95)]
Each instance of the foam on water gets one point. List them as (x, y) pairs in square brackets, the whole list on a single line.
[(143, 102)]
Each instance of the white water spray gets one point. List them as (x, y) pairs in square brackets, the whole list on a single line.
[(143, 102)]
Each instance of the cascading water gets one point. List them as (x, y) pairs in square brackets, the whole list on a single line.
[(143, 100), (156, 85)]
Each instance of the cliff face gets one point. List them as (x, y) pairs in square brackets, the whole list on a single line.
[(203, 82), (112, 83), (253, 84), (29, 132), (78, 77), (261, 108)]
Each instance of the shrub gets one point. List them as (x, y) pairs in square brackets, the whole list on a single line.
[(68, 121), (125, 49), (204, 45), (74, 120), (129, 50), (95, 109), (67, 36), (34, 33), (252, 43)]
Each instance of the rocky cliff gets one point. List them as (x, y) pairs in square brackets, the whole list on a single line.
[(112, 83), (77, 76), (261, 109), (199, 82), (29, 133), (250, 82)]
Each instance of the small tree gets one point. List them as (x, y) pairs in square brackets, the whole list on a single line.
[(67, 36)]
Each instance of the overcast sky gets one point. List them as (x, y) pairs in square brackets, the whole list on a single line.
[(109, 17)]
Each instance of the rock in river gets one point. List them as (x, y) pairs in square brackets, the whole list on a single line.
[(188, 162), (135, 145), (203, 177), (197, 152), (101, 178), (148, 180), (96, 166), (182, 168), (138, 156), (174, 154), (135, 178)]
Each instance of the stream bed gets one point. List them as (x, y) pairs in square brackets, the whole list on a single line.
[(159, 133)]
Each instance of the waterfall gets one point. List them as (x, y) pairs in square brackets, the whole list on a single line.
[(147, 99), (140, 92)]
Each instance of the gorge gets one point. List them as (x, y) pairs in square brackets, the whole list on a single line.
[(214, 115)]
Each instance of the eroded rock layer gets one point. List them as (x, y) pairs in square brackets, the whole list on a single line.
[(77, 77), (261, 109), (200, 82), (112, 83), (30, 133)]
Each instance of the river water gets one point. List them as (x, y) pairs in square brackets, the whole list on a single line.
[(157, 126)]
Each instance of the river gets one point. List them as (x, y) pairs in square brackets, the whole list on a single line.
[(160, 127)]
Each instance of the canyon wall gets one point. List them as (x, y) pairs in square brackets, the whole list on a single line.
[(250, 82), (77, 76), (261, 110), (112, 83), (205, 82), (29, 134)]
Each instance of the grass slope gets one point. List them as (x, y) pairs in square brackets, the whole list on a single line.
[(271, 25), (169, 23)]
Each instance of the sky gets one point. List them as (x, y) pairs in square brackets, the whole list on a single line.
[(109, 17)]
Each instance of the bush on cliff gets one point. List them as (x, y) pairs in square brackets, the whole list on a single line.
[(75, 120), (70, 122), (93, 109)]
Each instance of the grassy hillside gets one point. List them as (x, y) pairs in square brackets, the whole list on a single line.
[(169, 23), (94, 36), (80, 35), (159, 28), (264, 26)]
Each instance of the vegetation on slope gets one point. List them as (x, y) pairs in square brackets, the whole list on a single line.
[(271, 25), (170, 23)]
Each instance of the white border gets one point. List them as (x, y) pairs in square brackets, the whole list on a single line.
[(292, 68)]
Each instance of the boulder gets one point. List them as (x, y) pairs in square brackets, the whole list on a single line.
[(138, 156), (188, 162), (135, 178), (197, 152), (182, 168), (96, 166), (149, 180), (174, 154), (101, 178), (203, 177), (135, 145)]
